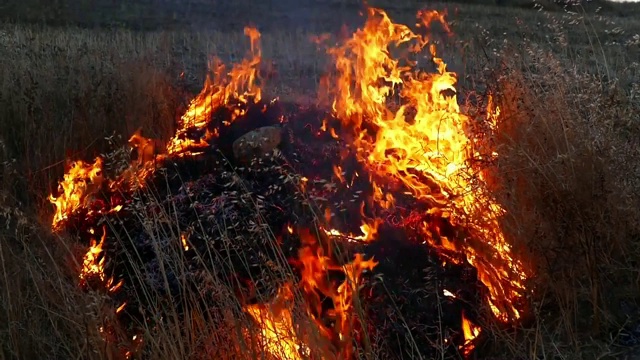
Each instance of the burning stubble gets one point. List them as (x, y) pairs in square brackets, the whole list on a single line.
[(410, 166)]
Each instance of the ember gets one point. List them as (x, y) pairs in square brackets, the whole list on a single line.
[(408, 234)]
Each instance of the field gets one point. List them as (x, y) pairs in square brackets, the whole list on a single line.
[(79, 77)]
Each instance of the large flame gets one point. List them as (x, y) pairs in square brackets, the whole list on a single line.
[(420, 146), (428, 153), (82, 180)]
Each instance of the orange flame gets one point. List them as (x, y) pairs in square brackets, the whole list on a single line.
[(184, 238), (239, 84), (470, 332), (428, 152), (421, 144), (275, 320), (149, 152), (314, 266), (277, 333), (93, 265), (369, 232), (80, 182), (93, 262)]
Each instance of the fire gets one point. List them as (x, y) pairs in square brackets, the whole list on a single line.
[(184, 239), (428, 153), (80, 182), (238, 85), (314, 265), (149, 152), (470, 331), (93, 262), (277, 333), (275, 320), (369, 232), (421, 147)]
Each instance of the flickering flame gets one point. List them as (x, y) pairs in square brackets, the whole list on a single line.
[(111, 287), (80, 182), (369, 232), (93, 262), (470, 332), (314, 266), (277, 335), (149, 152), (420, 146), (184, 238), (238, 84), (121, 307), (428, 152), (275, 320)]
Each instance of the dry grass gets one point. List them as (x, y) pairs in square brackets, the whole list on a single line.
[(568, 172), (567, 181)]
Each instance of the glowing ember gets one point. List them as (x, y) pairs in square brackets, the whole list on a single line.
[(184, 238), (448, 293), (428, 153), (81, 181)]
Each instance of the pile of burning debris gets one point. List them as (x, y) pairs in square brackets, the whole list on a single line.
[(371, 223)]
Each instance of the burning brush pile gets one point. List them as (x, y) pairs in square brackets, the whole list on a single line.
[(366, 228)]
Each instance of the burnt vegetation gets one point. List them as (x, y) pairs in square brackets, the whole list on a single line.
[(173, 255)]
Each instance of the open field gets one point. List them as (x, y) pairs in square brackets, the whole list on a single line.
[(568, 86)]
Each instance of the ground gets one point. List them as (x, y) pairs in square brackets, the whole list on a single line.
[(75, 73)]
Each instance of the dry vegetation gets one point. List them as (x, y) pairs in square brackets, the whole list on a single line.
[(569, 171)]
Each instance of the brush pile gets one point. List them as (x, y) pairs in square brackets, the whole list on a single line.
[(200, 222), (373, 229)]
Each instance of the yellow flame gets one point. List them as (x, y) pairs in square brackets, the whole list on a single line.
[(184, 238), (470, 332), (422, 144), (277, 333), (80, 182), (239, 84), (91, 266)]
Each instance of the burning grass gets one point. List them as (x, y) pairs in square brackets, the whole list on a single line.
[(506, 223)]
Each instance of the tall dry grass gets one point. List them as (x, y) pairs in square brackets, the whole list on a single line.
[(75, 93), (567, 172), (64, 90)]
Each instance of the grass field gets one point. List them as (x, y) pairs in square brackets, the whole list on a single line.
[(568, 85)]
